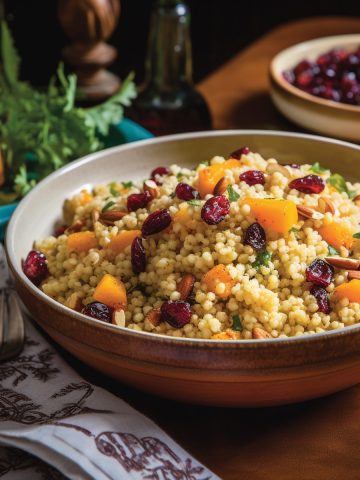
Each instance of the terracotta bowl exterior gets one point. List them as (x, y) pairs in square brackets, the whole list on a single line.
[(314, 113), (237, 373)]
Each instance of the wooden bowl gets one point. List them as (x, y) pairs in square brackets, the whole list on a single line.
[(235, 373), (314, 113)]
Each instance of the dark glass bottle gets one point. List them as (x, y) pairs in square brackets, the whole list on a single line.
[(168, 102)]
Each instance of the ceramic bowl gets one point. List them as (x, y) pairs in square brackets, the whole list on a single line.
[(236, 373), (313, 113)]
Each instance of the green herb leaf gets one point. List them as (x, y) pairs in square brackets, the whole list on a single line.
[(338, 182), (332, 250), (172, 195), (107, 207), (111, 111), (295, 231), (180, 175), (194, 203), (233, 195), (262, 258), (9, 56), (22, 182), (356, 235), (317, 168), (41, 131), (205, 162), (237, 325), (113, 190), (127, 184)]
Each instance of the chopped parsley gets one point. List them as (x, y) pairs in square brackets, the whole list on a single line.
[(233, 195), (262, 258), (356, 235), (237, 325), (180, 175), (127, 184), (338, 182), (107, 207), (194, 203), (317, 168), (113, 190), (332, 250), (295, 231), (205, 162)]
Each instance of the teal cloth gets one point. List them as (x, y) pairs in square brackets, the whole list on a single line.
[(125, 132)]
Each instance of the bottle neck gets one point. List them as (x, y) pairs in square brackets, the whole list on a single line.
[(169, 57)]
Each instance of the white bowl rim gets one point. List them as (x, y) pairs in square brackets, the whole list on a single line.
[(242, 343), (277, 74)]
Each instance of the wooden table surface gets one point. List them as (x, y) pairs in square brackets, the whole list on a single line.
[(317, 440)]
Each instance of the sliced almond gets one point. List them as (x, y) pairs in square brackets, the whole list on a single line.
[(307, 212), (356, 199), (343, 263), (221, 186), (154, 317), (118, 318), (227, 335), (95, 216), (259, 333), (186, 286), (325, 205), (151, 188), (354, 275), (74, 302), (75, 227), (108, 218), (276, 167)]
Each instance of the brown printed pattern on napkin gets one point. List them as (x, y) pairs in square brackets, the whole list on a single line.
[(148, 455)]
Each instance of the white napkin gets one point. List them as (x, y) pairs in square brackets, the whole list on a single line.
[(84, 432)]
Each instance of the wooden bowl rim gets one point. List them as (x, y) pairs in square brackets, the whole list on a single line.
[(276, 74), (42, 298)]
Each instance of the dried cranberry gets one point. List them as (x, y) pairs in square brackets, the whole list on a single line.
[(320, 273), (334, 76), (138, 256), (98, 310), (136, 201), (177, 313), (253, 177), (289, 76), (156, 222), (322, 298), (215, 209), (308, 184), (238, 153), (60, 230), (159, 172), (301, 67), (305, 79), (255, 236), (186, 192), (35, 267)]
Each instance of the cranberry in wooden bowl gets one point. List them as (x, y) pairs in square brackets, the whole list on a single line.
[(316, 85)]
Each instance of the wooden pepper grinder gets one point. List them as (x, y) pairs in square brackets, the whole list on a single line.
[(89, 23)]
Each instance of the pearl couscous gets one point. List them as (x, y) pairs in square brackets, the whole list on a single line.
[(248, 248)]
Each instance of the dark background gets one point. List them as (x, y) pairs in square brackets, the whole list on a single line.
[(220, 28)]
